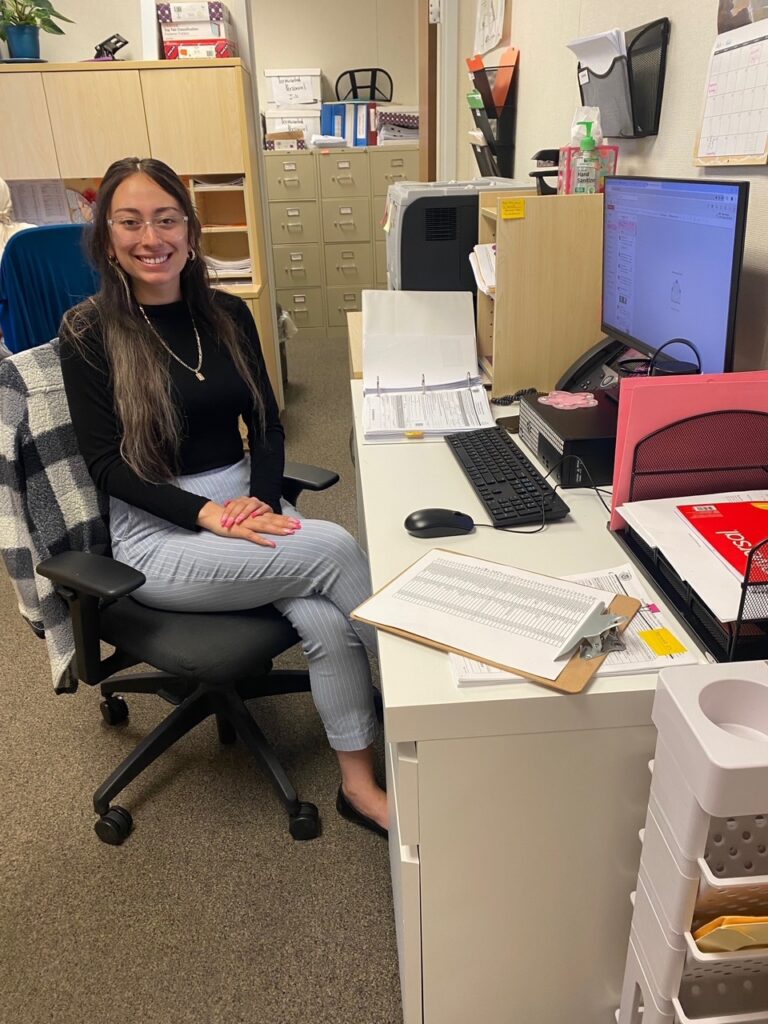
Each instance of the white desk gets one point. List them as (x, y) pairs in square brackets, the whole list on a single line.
[(515, 810)]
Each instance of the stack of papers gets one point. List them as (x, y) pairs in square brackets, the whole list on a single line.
[(327, 141), (661, 526), (482, 259), (649, 643), (598, 52), (230, 268)]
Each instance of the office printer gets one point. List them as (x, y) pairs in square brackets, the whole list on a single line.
[(432, 231)]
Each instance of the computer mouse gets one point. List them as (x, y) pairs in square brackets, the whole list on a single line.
[(438, 522)]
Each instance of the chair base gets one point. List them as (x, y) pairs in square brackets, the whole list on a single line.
[(193, 705)]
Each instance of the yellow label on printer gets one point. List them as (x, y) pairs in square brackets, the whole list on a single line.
[(661, 641), (512, 209)]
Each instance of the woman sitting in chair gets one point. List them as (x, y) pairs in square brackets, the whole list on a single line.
[(157, 368)]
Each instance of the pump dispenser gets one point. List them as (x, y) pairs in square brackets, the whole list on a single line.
[(587, 163)]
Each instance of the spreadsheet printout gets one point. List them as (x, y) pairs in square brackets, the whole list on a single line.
[(491, 612), (637, 654)]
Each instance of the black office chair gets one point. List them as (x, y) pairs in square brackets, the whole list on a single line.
[(364, 84), (206, 664), (209, 664)]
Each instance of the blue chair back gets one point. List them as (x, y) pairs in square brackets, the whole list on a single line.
[(43, 272)]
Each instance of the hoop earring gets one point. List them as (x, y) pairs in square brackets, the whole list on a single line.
[(191, 255)]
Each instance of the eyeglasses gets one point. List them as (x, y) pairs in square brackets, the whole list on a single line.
[(169, 225)]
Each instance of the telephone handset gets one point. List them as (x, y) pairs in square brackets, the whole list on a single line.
[(595, 370)]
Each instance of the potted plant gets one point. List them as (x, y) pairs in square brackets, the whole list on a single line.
[(20, 24)]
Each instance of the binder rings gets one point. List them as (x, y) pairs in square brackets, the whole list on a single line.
[(420, 375), (414, 341)]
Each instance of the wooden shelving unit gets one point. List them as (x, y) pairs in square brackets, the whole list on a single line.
[(546, 308)]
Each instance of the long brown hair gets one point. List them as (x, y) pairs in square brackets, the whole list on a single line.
[(140, 367)]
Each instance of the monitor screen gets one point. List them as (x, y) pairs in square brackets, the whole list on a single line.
[(672, 254)]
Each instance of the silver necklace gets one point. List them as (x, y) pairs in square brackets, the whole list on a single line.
[(169, 350)]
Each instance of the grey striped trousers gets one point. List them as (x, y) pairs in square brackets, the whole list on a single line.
[(314, 577)]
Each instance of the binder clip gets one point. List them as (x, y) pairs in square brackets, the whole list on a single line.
[(598, 634)]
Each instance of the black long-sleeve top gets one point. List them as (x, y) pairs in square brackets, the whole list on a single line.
[(209, 413)]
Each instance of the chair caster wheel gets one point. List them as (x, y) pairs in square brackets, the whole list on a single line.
[(115, 826), (305, 823), (114, 710)]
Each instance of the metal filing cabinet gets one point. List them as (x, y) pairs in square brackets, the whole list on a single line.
[(325, 209)]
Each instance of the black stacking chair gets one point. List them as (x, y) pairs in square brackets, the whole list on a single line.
[(206, 664), (364, 84)]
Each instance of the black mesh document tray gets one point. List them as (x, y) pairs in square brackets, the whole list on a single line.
[(706, 454)]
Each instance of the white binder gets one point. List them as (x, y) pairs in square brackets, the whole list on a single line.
[(418, 341), (420, 375)]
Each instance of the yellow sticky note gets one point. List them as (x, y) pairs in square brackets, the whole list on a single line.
[(661, 641), (512, 209)]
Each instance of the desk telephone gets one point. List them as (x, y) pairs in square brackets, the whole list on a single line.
[(596, 369)]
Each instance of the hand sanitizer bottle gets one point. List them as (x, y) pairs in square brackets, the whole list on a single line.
[(587, 163)]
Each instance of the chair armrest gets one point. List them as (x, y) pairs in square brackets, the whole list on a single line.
[(298, 477), (95, 575)]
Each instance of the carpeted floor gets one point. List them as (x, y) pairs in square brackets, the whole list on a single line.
[(210, 912)]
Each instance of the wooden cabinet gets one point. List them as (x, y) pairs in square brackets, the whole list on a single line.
[(95, 121), (194, 119), (71, 121), (26, 151), (331, 203)]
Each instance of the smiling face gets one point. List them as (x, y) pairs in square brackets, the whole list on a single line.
[(153, 257)]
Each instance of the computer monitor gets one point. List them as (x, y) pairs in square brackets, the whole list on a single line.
[(672, 252)]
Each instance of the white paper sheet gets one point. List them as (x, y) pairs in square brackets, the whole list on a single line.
[(598, 52), (637, 655), (489, 24), (392, 413), (660, 526), (486, 610), (40, 202)]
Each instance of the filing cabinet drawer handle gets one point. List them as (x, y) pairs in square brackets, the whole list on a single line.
[(342, 179), (344, 224), (296, 270), (294, 227), (394, 177), (294, 180), (347, 266)]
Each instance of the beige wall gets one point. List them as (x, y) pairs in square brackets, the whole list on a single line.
[(94, 20), (548, 94), (335, 35)]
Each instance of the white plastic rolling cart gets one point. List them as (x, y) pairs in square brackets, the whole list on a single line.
[(705, 850)]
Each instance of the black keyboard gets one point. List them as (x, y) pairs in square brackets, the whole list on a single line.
[(507, 482)]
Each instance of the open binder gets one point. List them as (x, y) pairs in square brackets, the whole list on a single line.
[(420, 373)]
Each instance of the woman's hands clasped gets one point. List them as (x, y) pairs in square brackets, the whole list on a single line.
[(246, 519)]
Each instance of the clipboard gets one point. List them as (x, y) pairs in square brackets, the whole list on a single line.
[(576, 672)]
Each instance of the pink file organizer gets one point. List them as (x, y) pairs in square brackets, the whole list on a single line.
[(648, 404)]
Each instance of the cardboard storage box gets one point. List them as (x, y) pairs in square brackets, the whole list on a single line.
[(192, 10), (192, 31), (295, 119), (288, 86)]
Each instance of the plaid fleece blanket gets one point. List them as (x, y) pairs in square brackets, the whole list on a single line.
[(48, 502)]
